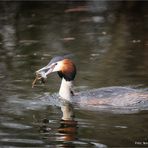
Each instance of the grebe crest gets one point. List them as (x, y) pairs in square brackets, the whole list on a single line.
[(66, 70)]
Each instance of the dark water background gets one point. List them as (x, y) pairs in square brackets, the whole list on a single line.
[(108, 41)]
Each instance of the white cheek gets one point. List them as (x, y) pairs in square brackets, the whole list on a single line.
[(57, 67)]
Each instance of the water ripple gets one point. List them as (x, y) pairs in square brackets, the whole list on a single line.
[(28, 141), (16, 125)]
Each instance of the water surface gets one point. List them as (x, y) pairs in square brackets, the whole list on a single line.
[(107, 41)]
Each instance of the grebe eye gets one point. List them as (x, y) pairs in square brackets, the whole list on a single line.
[(56, 63)]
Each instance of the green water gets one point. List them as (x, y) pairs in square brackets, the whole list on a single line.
[(107, 41)]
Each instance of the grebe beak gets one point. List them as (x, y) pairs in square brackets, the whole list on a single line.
[(43, 72)]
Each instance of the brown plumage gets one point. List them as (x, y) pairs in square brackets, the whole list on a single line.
[(68, 70)]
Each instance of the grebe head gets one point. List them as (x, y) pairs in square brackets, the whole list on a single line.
[(65, 68), (67, 72)]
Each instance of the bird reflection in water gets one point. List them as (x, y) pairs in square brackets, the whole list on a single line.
[(66, 132), (68, 125)]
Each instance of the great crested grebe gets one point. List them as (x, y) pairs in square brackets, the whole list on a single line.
[(114, 96)]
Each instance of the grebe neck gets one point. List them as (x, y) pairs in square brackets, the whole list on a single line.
[(65, 90)]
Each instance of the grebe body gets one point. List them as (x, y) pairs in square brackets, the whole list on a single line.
[(113, 96)]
